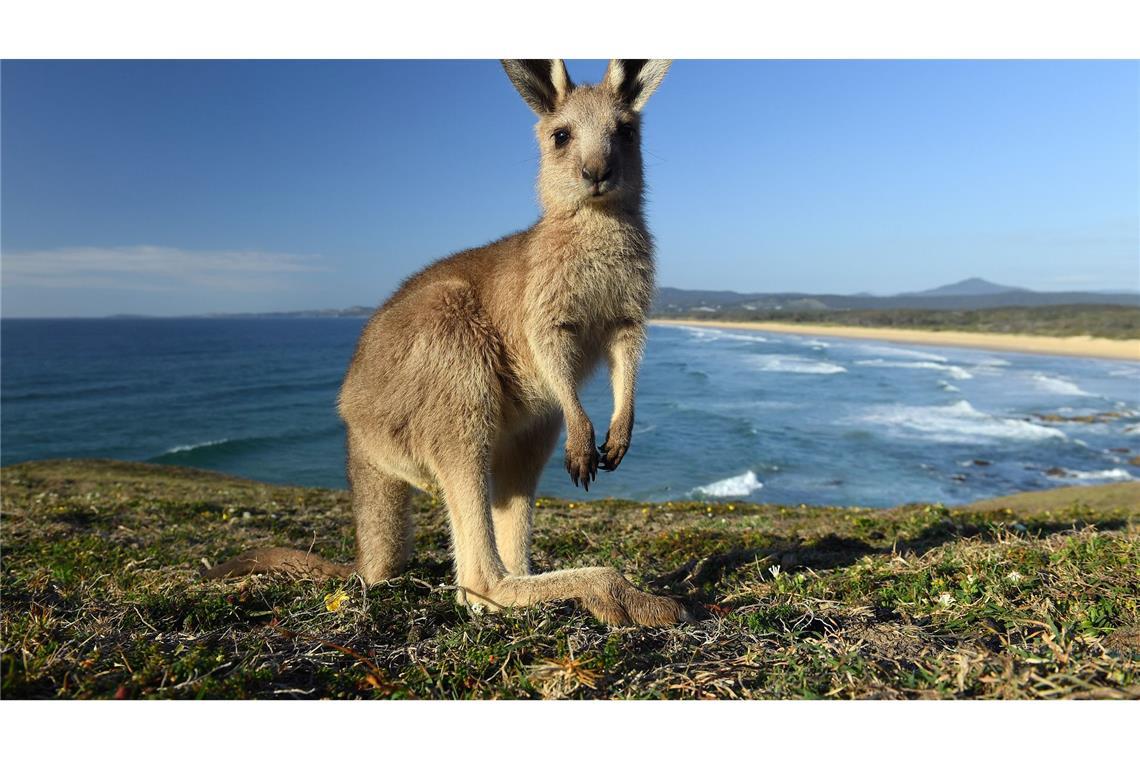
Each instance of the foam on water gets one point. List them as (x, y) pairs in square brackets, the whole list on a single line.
[(797, 365), (954, 371), (709, 334), (906, 353), (1057, 385), (196, 446), (1116, 473), (955, 423), (739, 486)]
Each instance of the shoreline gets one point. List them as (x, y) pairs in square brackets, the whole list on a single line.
[(1078, 346)]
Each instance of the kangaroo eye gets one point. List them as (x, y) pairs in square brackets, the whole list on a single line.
[(627, 131), (561, 137)]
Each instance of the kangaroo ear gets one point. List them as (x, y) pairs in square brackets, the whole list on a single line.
[(543, 83), (634, 80)]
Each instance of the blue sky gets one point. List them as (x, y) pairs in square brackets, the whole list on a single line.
[(184, 187)]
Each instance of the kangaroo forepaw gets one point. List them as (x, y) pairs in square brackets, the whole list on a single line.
[(612, 451), (582, 459)]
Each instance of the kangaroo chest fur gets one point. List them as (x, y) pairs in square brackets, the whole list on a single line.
[(584, 283), (594, 277)]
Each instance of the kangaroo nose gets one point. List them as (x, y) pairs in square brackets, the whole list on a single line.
[(597, 175)]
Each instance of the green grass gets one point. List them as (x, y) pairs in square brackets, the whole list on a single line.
[(1033, 596), (1096, 320)]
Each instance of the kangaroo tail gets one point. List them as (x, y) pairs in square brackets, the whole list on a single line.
[(275, 559)]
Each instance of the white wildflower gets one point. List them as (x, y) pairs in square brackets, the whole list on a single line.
[(1013, 576), (945, 599), (775, 571)]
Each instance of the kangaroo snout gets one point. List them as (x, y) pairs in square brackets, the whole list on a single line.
[(600, 177)]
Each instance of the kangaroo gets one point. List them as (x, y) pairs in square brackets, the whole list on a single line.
[(462, 379)]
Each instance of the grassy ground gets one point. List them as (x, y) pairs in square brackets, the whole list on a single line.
[(1036, 596)]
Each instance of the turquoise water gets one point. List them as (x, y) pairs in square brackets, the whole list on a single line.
[(720, 414)]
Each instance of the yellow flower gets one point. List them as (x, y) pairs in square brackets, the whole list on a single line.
[(333, 602)]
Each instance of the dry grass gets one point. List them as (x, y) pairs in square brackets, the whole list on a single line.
[(1032, 597)]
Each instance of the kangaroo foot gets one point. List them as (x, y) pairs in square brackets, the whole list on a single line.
[(616, 601)]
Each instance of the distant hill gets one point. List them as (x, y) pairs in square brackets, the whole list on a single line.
[(974, 286), (351, 311), (974, 293)]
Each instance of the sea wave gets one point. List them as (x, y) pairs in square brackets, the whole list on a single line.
[(955, 423), (209, 452), (954, 371), (790, 363), (82, 392), (740, 485), (195, 446), (276, 389), (949, 387), (709, 334), (908, 353), (1057, 385), (1116, 473)]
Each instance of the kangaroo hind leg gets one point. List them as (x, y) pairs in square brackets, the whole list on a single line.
[(516, 469), (483, 578), (382, 513)]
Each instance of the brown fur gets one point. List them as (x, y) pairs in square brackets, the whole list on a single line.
[(461, 380)]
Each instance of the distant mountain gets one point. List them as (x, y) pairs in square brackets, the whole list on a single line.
[(974, 286), (678, 301)]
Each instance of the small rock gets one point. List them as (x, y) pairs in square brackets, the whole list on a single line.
[(1097, 417), (1056, 472), (982, 463)]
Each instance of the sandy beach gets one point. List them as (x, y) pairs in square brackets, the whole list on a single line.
[(1082, 345)]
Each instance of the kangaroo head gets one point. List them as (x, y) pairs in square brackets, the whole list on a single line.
[(589, 136)]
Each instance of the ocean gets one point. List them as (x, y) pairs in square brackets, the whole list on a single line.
[(721, 414)]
